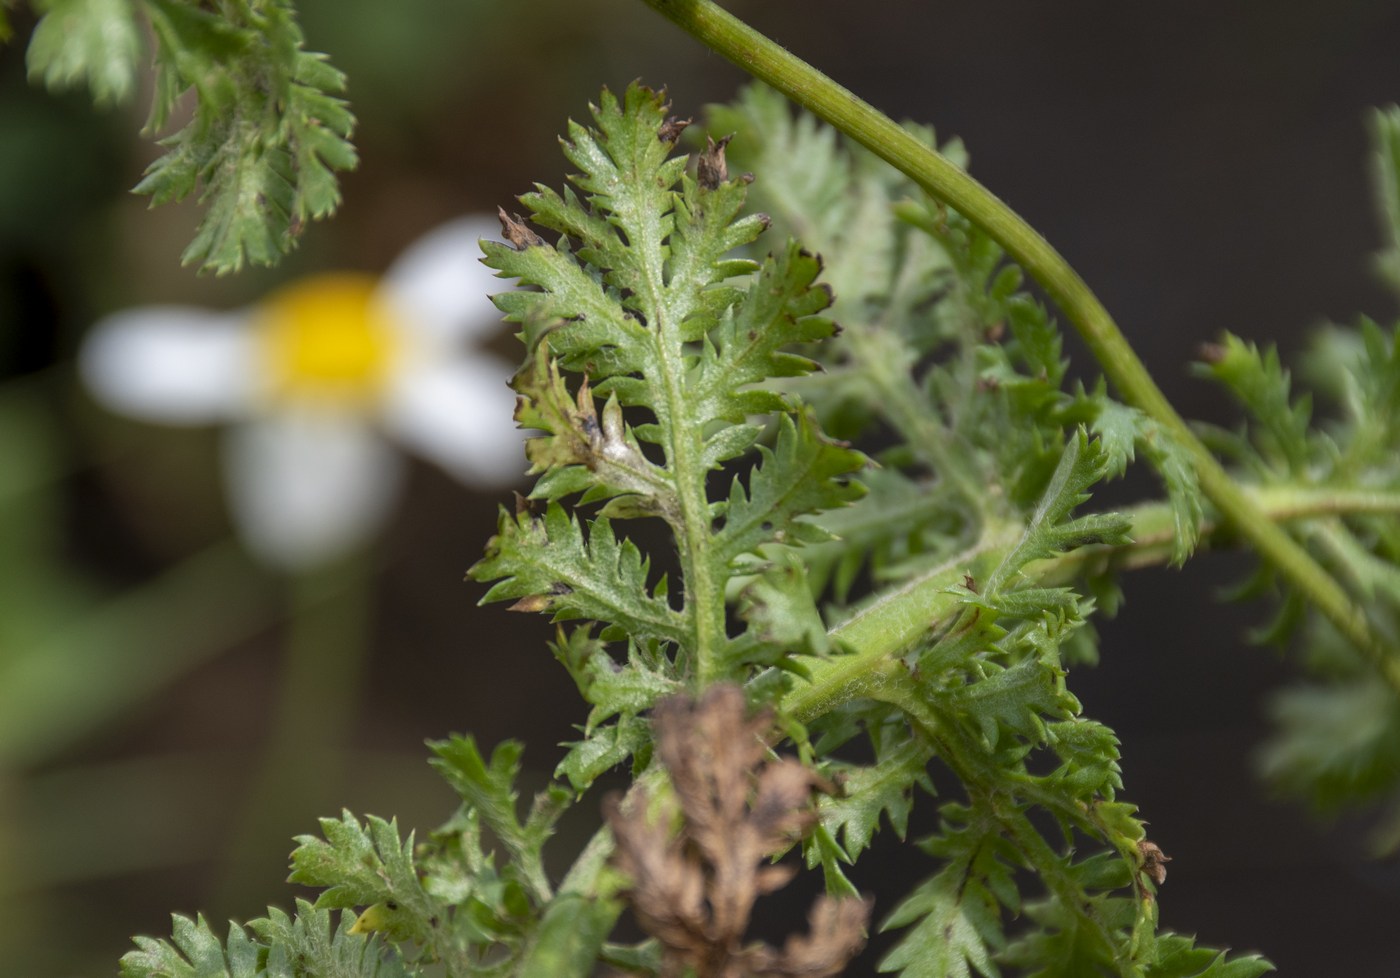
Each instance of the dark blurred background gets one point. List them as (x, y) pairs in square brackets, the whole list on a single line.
[(1204, 169)]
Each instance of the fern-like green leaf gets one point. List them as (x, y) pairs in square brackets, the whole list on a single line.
[(804, 473), (947, 941), (193, 951), (547, 565), (1088, 753), (956, 915), (640, 295), (1338, 744), (1049, 529), (363, 865), (1178, 957), (1122, 431), (1015, 700), (268, 132), (488, 789), (96, 43), (1258, 380), (306, 944), (867, 793)]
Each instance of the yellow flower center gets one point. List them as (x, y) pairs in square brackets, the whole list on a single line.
[(327, 337)]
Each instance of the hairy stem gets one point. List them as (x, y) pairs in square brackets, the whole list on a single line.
[(704, 595), (894, 620), (799, 81)]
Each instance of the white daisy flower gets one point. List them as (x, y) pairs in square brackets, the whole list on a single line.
[(314, 376)]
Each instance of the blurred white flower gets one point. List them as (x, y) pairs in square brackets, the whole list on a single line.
[(314, 376)]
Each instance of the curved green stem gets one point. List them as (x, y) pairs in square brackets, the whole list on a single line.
[(799, 81)]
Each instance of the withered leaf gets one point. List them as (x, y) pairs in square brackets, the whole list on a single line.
[(1154, 861), (694, 889), (515, 231), (711, 170), (672, 128)]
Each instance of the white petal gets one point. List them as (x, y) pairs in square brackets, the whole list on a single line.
[(307, 487), (459, 414), (440, 286), (171, 364)]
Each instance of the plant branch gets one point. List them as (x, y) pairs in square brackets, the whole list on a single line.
[(805, 85), (990, 789), (895, 620), (704, 594)]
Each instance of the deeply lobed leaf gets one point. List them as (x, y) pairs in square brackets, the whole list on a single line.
[(96, 43), (307, 943), (641, 296), (269, 129)]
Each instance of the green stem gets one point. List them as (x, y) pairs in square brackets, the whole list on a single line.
[(799, 81), (704, 595), (885, 627), (1287, 502), (896, 619)]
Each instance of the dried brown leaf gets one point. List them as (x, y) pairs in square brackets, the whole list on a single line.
[(711, 170), (694, 886), (1154, 861), (514, 230), (672, 128)]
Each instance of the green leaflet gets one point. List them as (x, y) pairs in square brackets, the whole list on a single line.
[(364, 865), (1049, 531), (96, 43), (1088, 752), (1122, 431), (1263, 387), (958, 927), (488, 789), (445, 901), (1335, 743), (620, 690), (627, 688), (548, 565), (954, 918), (803, 473), (1178, 957), (1338, 744), (269, 128), (279, 946), (865, 794), (268, 132)]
